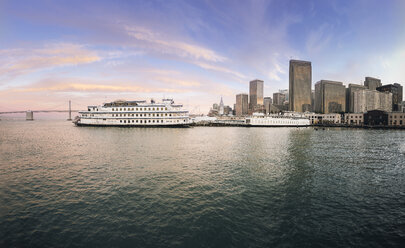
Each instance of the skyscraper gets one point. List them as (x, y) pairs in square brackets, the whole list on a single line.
[(278, 98), (372, 83), (349, 96), (330, 97), (396, 90), (221, 107), (241, 106), (300, 86), (366, 100), (267, 101), (255, 94)]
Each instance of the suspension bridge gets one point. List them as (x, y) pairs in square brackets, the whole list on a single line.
[(30, 113)]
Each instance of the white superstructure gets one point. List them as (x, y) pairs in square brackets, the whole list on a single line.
[(287, 120), (134, 113)]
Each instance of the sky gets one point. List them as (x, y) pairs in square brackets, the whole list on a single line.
[(195, 52)]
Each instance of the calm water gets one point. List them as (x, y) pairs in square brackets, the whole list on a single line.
[(64, 186)]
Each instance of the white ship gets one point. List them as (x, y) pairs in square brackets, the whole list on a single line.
[(135, 114), (286, 120)]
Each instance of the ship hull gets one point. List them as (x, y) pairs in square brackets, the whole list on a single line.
[(131, 125)]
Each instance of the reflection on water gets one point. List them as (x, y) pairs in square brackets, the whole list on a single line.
[(62, 185)]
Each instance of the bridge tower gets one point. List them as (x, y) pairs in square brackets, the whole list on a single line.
[(29, 115), (70, 112)]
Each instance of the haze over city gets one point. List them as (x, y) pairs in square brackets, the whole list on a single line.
[(193, 51)]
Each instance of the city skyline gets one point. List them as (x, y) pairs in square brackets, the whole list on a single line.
[(194, 52)]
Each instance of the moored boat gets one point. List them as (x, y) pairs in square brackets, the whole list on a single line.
[(135, 114)]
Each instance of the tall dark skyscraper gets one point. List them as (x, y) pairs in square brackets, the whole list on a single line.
[(255, 94), (242, 106), (300, 86)]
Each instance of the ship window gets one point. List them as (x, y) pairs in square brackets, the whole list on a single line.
[(132, 109), (120, 109), (136, 109), (104, 119), (132, 121), (149, 121), (141, 121), (165, 114), (170, 114), (136, 121), (165, 108), (161, 121), (153, 121), (153, 109), (148, 108), (136, 114), (153, 114), (121, 121)]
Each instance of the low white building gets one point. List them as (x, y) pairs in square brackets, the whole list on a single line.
[(324, 118), (396, 119), (354, 118)]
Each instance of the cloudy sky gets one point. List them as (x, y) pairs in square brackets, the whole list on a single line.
[(193, 51)]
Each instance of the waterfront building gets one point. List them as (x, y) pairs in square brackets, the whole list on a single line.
[(333, 118), (330, 97), (242, 107), (300, 80), (372, 83), (215, 106), (314, 118), (349, 96), (376, 118), (366, 100), (255, 94), (396, 119), (221, 107), (396, 90), (356, 119)]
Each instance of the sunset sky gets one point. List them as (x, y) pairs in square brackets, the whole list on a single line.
[(193, 51)]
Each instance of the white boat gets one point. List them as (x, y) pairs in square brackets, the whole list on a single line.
[(135, 114), (286, 120)]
